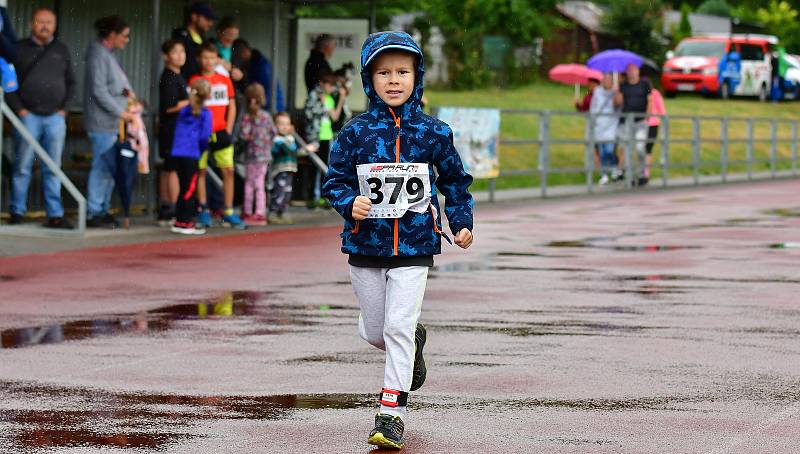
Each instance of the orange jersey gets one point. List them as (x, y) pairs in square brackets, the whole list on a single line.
[(221, 95)]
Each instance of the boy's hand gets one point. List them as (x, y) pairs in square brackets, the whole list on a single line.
[(361, 207), (312, 147), (464, 238)]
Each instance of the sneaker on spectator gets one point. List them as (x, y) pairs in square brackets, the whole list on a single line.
[(187, 228), (204, 219), (94, 222), (323, 203), (603, 180), (58, 223), (234, 221), (110, 221), (255, 220), (275, 218), (16, 219)]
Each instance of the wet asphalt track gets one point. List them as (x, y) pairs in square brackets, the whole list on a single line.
[(656, 322)]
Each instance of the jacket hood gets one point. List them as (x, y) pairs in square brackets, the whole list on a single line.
[(373, 46)]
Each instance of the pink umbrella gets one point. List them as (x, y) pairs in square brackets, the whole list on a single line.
[(574, 74)]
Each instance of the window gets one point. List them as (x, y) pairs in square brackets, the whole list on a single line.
[(751, 52), (700, 49)]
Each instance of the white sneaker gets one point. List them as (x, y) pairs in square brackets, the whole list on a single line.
[(603, 180), (187, 230)]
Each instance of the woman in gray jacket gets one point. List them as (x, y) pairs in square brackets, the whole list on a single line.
[(106, 95)]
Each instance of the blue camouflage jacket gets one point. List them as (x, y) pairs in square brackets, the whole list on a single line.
[(373, 137)]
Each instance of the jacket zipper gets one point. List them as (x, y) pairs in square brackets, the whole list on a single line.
[(397, 160)]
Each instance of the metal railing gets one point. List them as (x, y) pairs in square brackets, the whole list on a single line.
[(45, 158), (715, 145)]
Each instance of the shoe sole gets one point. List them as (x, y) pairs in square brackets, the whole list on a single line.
[(418, 358), (379, 440)]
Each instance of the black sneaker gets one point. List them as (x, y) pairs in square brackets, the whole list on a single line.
[(16, 219), (110, 222), (388, 432), (420, 371), (642, 181), (94, 222), (58, 223)]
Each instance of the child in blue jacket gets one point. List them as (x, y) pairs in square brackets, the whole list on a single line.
[(192, 130), (381, 181)]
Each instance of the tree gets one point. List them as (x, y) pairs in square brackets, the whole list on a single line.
[(715, 8), (466, 23), (684, 27), (780, 19), (634, 22)]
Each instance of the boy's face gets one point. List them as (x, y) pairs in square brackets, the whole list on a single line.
[(393, 77), (284, 125), (176, 56), (208, 61)]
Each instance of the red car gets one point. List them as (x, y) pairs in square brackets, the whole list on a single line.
[(721, 65)]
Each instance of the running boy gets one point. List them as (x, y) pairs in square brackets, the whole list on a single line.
[(222, 105), (392, 234)]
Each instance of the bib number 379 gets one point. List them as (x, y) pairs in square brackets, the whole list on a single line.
[(395, 189)]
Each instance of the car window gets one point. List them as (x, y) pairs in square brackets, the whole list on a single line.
[(751, 52), (700, 49)]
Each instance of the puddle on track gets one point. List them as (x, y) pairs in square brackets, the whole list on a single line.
[(82, 417), (619, 248), (267, 319)]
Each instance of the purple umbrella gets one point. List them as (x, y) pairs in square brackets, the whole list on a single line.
[(614, 61)]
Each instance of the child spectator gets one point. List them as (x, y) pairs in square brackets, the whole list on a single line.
[(390, 153), (321, 112), (583, 105), (284, 166), (657, 107), (192, 130), (172, 97), (222, 105), (257, 130)]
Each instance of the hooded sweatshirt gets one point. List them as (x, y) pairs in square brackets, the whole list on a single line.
[(403, 134)]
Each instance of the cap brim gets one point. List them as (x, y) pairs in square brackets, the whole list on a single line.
[(403, 47)]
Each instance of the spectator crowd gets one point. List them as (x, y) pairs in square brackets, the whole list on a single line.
[(215, 109)]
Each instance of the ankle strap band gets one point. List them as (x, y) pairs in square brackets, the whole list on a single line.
[(393, 398)]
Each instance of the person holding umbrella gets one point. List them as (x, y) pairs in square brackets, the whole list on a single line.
[(634, 96), (583, 105)]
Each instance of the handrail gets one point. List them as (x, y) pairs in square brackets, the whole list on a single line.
[(46, 159)]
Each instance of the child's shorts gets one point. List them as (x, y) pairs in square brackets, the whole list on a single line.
[(223, 158)]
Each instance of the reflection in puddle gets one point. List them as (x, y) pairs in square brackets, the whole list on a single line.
[(559, 328), (794, 245), (230, 304), (784, 212), (7, 278), (98, 418), (688, 278)]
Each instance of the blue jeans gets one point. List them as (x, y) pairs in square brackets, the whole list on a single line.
[(608, 160), (101, 181), (49, 131)]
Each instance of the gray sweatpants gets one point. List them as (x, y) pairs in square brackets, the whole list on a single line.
[(391, 303)]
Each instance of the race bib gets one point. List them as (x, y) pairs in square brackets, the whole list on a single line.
[(219, 96), (394, 189)]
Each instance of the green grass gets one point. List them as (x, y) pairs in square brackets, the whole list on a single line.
[(548, 96)]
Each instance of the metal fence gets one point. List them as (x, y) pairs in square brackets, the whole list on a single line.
[(562, 144)]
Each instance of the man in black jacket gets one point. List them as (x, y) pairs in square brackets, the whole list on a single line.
[(317, 63), (199, 20), (46, 84)]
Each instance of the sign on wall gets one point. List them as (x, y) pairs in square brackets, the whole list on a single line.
[(476, 135), (349, 35)]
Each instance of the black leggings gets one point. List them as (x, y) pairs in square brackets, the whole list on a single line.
[(186, 208)]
